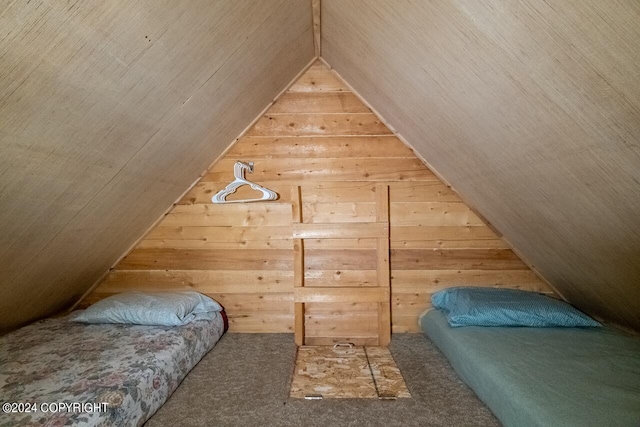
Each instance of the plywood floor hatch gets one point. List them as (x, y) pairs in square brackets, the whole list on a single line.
[(346, 372)]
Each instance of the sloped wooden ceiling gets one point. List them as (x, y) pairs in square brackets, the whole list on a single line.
[(109, 111), (530, 109)]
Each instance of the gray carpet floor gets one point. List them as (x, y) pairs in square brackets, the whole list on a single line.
[(245, 379)]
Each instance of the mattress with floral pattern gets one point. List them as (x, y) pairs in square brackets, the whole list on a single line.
[(56, 372)]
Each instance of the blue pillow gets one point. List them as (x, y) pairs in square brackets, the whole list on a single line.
[(466, 306), (164, 309)]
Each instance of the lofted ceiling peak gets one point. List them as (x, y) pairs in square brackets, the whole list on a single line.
[(530, 111)]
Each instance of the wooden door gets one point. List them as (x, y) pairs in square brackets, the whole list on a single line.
[(376, 294)]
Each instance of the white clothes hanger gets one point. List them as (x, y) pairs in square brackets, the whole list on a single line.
[(238, 172)]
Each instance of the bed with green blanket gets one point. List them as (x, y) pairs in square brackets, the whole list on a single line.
[(545, 376)]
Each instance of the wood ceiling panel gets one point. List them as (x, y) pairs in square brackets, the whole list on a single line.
[(531, 110), (108, 112)]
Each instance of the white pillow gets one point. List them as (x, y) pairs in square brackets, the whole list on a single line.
[(165, 309)]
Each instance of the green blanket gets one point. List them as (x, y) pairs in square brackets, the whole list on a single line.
[(546, 376)]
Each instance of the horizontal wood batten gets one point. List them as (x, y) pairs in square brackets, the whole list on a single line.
[(233, 217), (185, 259), (355, 309), (340, 231), (221, 233), (340, 295), (447, 259), (264, 209), (355, 259), (361, 169), (279, 242), (422, 191), (429, 281), (332, 244), (255, 147), (235, 302), (342, 212), (318, 124), (344, 169), (449, 244), (430, 232), (327, 102), (433, 214), (428, 191), (281, 303), (339, 277), (212, 244), (205, 281)]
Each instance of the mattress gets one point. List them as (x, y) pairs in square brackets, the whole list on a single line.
[(545, 376), (57, 372)]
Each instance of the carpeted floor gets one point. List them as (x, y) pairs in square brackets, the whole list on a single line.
[(244, 381)]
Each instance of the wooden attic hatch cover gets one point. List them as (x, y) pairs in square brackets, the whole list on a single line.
[(377, 295), (346, 372)]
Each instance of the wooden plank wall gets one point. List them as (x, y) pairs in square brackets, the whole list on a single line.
[(109, 111), (321, 137), (530, 109)]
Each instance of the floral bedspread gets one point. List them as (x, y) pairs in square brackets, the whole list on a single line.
[(60, 373)]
